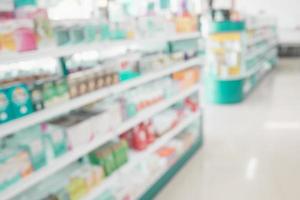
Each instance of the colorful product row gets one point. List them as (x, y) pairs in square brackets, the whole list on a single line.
[(72, 183), (28, 151), (137, 178), (144, 134), (20, 99)]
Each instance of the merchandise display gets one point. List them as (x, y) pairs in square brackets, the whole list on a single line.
[(239, 53), (80, 180), (91, 106)]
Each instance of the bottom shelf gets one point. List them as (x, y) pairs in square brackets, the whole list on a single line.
[(163, 179)]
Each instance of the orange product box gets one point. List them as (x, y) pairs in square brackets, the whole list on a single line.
[(188, 77)]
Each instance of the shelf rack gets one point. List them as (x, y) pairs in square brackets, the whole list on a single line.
[(99, 46), (49, 113), (136, 157)]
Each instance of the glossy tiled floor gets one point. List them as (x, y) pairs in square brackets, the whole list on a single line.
[(252, 150)]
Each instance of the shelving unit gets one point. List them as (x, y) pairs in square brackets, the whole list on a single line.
[(108, 45), (44, 115), (70, 157), (238, 52), (136, 157)]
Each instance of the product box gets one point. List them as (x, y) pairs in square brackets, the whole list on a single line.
[(6, 112), (31, 141), (57, 140), (26, 38), (20, 100), (62, 89), (23, 3), (42, 26), (36, 94), (62, 34), (15, 162), (104, 156), (90, 31), (187, 78), (76, 34), (7, 36), (49, 93), (6, 9), (183, 45), (78, 130), (77, 188), (120, 153)]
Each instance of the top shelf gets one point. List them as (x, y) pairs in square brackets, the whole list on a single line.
[(56, 52)]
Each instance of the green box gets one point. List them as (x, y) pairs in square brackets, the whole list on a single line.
[(20, 100), (6, 113), (49, 93), (120, 153), (62, 89), (104, 157), (183, 45)]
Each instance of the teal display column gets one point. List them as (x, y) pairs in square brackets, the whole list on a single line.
[(222, 79), (223, 91)]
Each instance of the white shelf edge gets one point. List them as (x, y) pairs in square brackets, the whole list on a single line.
[(69, 50), (74, 155), (49, 113), (138, 156)]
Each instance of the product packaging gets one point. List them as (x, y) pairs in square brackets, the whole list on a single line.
[(104, 156), (31, 141), (49, 93), (187, 78), (6, 111), (23, 3), (6, 9), (77, 129), (26, 38), (20, 100), (42, 26), (36, 95), (7, 36), (56, 139), (8, 163)]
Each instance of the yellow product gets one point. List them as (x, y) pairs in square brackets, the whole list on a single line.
[(224, 37), (77, 188), (7, 36), (234, 70)]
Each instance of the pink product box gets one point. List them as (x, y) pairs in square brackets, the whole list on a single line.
[(42, 25), (25, 36)]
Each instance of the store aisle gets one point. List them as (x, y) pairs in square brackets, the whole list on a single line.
[(252, 149)]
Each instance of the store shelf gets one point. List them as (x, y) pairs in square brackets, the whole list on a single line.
[(136, 157), (161, 179), (74, 155), (49, 113), (69, 50)]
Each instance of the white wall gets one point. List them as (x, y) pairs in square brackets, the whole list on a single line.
[(286, 11)]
